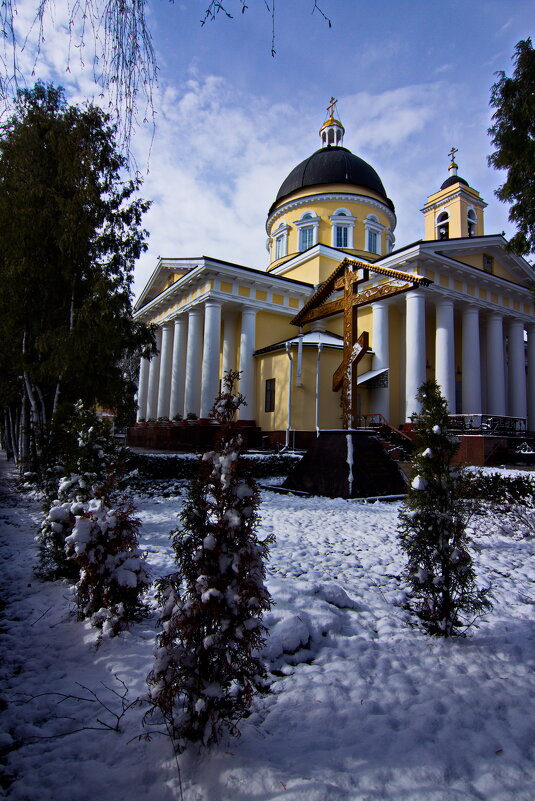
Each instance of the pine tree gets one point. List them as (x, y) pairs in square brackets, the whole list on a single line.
[(206, 671), (513, 135), (70, 232), (113, 571), (433, 525)]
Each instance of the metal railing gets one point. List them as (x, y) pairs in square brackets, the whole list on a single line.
[(487, 424)]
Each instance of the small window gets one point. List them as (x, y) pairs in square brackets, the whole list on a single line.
[(306, 238), (488, 263), (372, 241), (279, 248), (341, 236), (269, 405)]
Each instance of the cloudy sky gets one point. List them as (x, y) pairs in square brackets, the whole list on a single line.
[(412, 78)]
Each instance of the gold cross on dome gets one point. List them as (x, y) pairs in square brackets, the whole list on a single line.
[(330, 107), (452, 153)]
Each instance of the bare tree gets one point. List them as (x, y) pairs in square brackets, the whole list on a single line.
[(118, 42)]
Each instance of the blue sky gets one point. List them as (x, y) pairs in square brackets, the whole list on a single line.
[(412, 79)]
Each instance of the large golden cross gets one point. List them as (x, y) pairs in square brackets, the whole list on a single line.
[(348, 277)]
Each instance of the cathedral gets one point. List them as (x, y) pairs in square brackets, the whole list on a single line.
[(343, 326)]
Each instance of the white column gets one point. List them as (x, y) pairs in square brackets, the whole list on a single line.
[(471, 365), (517, 370), (154, 375), (192, 391), (495, 365), (164, 385), (381, 360), (415, 349), (318, 388), (178, 370), (445, 352), (142, 389), (210, 356), (247, 368), (531, 377), (229, 343)]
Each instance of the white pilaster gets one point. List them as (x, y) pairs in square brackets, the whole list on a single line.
[(154, 375), (142, 389), (517, 370), (471, 365), (445, 352), (531, 377), (415, 353), (178, 370), (380, 344), (229, 342), (247, 367), (495, 366), (164, 386), (210, 356), (192, 392)]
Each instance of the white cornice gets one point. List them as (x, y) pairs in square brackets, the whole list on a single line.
[(348, 197), (461, 192), (211, 269), (312, 253)]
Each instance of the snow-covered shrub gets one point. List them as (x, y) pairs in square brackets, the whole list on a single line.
[(55, 528), (433, 526), (113, 571), (206, 670), (507, 503), (92, 467)]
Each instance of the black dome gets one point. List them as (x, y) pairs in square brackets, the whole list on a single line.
[(454, 179), (332, 165)]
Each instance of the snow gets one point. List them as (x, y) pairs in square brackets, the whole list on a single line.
[(363, 705), (419, 483)]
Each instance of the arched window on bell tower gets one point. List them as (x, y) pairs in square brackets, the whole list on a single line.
[(443, 225), (471, 221)]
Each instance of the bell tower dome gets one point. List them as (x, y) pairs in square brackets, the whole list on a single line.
[(332, 131), (456, 210)]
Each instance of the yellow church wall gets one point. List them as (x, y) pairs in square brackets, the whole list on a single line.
[(309, 272), (272, 365), (271, 328), (365, 322), (395, 340), (303, 415), (304, 397), (476, 260)]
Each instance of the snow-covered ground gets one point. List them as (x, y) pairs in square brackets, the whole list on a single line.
[(364, 706)]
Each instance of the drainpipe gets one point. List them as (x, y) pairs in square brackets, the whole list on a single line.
[(318, 365), (290, 380), (299, 381)]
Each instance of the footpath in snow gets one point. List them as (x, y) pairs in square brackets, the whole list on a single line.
[(364, 706)]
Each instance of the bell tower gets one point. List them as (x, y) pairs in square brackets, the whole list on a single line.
[(456, 210)]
